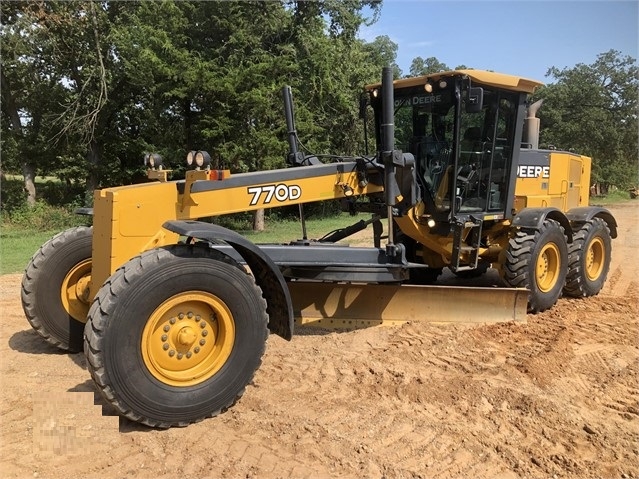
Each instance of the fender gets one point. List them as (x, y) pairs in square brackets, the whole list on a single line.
[(585, 213), (533, 218), (267, 275)]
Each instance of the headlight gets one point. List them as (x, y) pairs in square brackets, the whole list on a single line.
[(153, 161), (202, 160)]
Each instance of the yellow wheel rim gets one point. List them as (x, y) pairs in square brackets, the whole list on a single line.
[(547, 267), (188, 338), (595, 257), (74, 291)]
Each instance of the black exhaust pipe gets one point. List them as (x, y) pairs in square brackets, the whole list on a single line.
[(388, 125), (391, 188)]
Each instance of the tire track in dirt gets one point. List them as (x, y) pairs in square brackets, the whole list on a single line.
[(624, 269), (554, 396)]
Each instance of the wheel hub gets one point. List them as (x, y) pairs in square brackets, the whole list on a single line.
[(184, 343), (82, 289), (186, 337), (75, 291), (595, 259), (547, 267)]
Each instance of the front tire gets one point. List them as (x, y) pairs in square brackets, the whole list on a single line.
[(175, 335), (537, 260), (55, 288), (588, 259)]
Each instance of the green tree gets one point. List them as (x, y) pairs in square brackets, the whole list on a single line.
[(419, 66), (592, 110), (58, 58), (382, 52), (74, 38), (89, 87), (31, 92)]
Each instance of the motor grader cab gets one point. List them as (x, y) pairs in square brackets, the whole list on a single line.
[(464, 130), (464, 138), (486, 194), (173, 311)]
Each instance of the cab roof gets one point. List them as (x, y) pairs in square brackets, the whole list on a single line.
[(483, 77)]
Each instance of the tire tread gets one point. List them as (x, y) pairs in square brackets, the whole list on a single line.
[(99, 318), (518, 257), (32, 276), (575, 284)]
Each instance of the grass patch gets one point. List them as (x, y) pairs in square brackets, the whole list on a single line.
[(285, 231), (18, 245), (614, 197), (18, 242), (25, 229)]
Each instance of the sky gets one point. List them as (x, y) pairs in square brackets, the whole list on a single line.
[(520, 37)]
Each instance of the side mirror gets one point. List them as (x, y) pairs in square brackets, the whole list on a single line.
[(475, 100)]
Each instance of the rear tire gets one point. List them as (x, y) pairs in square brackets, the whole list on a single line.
[(537, 260), (175, 335), (55, 288), (588, 259)]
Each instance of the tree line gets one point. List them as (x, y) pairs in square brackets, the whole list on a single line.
[(89, 87)]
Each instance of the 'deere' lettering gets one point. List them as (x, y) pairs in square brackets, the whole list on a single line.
[(532, 171)]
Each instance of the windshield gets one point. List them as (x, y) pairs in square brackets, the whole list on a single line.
[(425, 127)]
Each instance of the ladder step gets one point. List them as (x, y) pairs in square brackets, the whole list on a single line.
[(461, 247)]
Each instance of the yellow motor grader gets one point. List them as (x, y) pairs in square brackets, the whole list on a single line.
[(173, 311)]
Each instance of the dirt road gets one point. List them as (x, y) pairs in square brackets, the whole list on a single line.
[(556, 397)]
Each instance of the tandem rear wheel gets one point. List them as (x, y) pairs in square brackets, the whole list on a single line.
[(537, 260), (175, 335), (588, 259), (55, 288)]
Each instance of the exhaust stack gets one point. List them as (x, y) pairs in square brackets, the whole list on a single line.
[(391, 188), (531, 125)]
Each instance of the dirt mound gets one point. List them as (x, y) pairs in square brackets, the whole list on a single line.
[(556, 397)]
